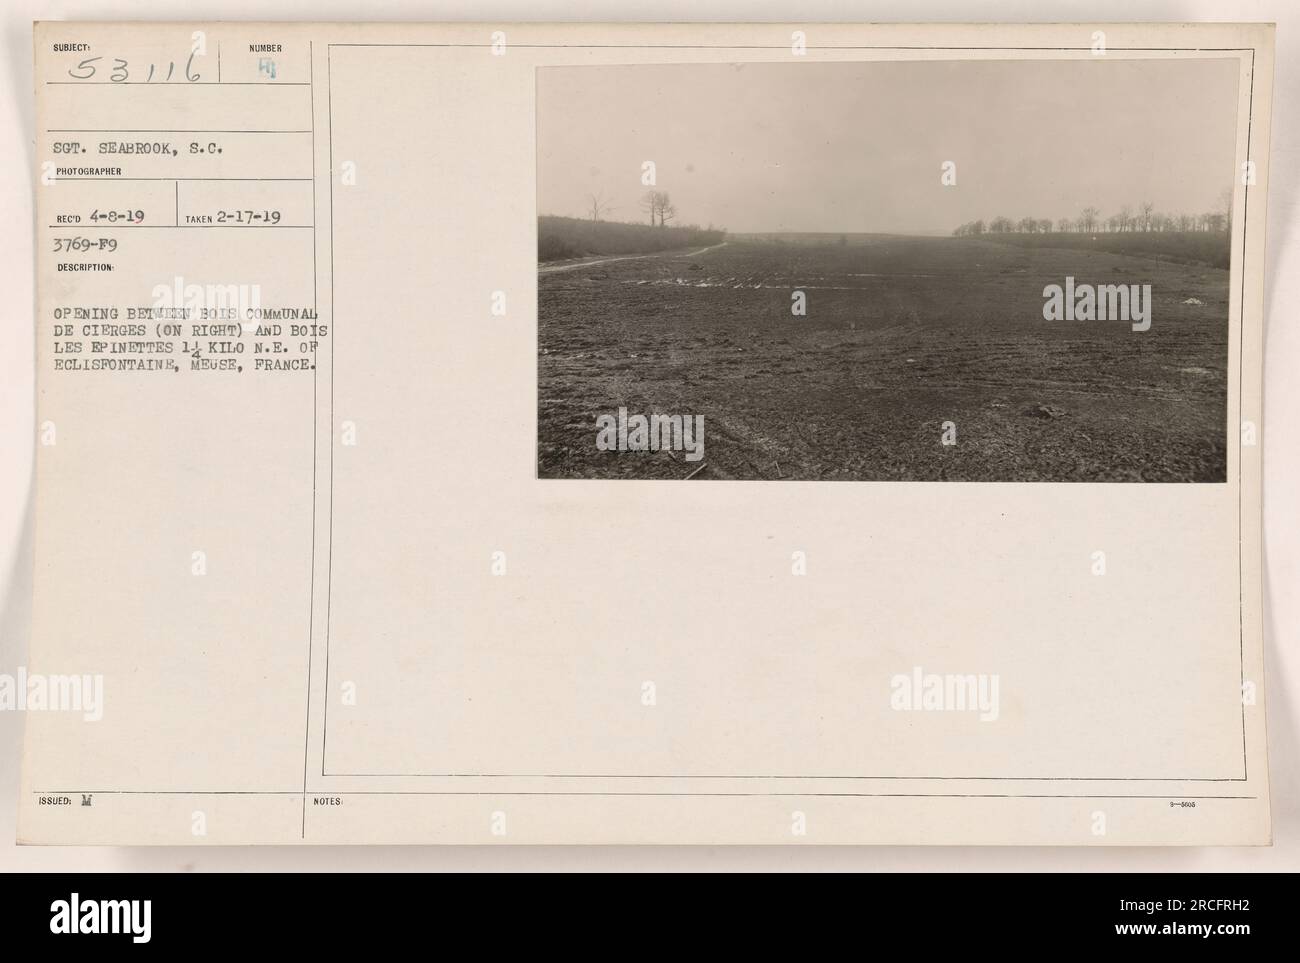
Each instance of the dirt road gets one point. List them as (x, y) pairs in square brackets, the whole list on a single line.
[(556, 268)]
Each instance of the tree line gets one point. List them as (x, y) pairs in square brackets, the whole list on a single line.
[(1143, 218)]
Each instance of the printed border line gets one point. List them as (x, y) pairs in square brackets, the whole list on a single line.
[(466, 792), (1241, 318), (633, 775), (315, 411), (786, 46), (178, 83), (333, 332), (1241, 400)]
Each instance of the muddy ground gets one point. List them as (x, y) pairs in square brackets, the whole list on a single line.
[(901, 335)]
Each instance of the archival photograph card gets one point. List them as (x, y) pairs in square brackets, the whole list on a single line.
[(692, 433)]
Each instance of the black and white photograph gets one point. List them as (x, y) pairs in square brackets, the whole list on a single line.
[(976, 270)]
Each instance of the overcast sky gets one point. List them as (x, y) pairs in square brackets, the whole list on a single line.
[(858, 147)]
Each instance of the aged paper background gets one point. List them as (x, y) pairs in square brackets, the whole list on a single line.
[(940, 512)]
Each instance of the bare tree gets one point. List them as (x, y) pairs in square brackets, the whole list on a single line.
[(598, 205), (667, 210), (1088, 219), (658, 205), (650, 204)]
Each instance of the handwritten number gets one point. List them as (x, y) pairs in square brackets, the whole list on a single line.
[(86, 65)]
